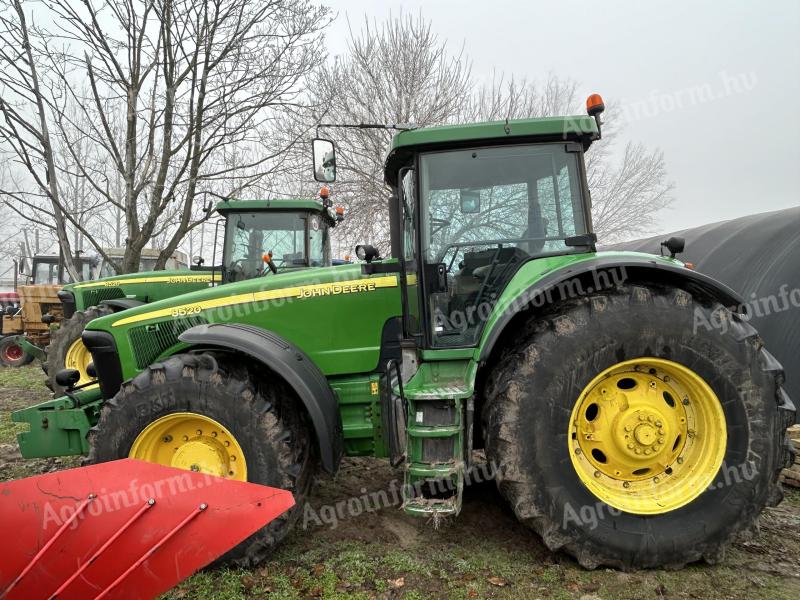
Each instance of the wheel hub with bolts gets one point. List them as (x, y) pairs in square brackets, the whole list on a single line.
[(193, 442), (633, 439), (13, 352), (643, 432)]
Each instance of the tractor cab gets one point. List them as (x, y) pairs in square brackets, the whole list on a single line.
[(483, 212), (50, 270), (275, 235), (471, 205)]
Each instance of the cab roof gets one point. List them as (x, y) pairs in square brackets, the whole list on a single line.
[(275, 204), (582, 128)]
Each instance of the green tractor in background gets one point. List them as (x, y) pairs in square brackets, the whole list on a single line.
[(621, 384), (259, 236)]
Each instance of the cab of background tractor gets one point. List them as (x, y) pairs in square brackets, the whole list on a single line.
[(295, 232), (259, 237), (277, 235), (50, 270)]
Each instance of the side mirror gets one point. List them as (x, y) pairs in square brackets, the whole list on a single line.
[(198, 260), (324, 155), (367, 253), (675, 245), (470, 201)]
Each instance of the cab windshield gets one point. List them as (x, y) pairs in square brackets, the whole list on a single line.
[(145, 264), (296, 240), (485, 212), (48, 272)]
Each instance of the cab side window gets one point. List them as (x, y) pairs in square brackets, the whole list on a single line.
[(407, 197)]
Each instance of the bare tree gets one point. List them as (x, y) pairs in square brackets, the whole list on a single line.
[(400, 72), (627, 190), (25, 128), (163, 92)]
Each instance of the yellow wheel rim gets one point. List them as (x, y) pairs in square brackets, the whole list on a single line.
[(78, 357), (193, 442), (647, 436)]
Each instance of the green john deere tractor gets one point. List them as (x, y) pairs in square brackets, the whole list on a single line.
[(620, 384), (295, 232)]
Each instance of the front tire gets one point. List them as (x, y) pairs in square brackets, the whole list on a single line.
[(66, 350), (257, 418), (536, 389)]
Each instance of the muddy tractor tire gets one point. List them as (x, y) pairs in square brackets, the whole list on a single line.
[(642, 427), (12, 354), (192, 407), (66, 350)]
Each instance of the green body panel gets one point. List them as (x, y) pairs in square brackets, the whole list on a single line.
[(447, 354), (334, 314), (359, 407), (149, 286), (58, 427)]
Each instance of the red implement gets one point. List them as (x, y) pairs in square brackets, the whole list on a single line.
[(122, 529)]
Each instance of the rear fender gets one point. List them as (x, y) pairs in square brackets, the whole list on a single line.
[(603, 272), (294, 366)]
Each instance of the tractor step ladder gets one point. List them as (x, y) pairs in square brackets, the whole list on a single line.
[(439, 403)]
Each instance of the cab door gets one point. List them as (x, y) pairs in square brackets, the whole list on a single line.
[(409, 263)]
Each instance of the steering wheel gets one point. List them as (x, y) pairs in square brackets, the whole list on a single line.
[(236, 270)]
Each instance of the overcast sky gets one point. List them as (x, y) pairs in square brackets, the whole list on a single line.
[(715, 85)]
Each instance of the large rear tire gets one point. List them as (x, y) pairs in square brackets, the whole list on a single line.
[(253, 427), (66, 350), (580, 380)]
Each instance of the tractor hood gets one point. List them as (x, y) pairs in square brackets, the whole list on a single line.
[(283, 285), (145, 277), (147, 286), (306, 307)]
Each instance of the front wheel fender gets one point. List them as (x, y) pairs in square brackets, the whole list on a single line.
[(290, 363)]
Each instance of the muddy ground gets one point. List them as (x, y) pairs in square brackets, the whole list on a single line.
[(379, 552)]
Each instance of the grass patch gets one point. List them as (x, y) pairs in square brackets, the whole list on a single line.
[(30, 377), (19, 387), (477, 566), (9, 429)]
